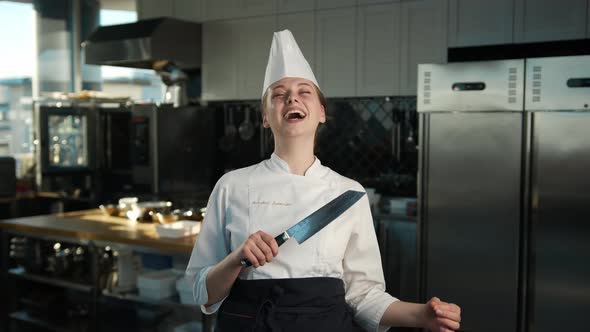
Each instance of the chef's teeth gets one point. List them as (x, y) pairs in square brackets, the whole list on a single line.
[(301, 114)]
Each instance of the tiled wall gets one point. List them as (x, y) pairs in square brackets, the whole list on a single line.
[(372, 140)]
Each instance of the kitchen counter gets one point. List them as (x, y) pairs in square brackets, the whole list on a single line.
[(93, 225)]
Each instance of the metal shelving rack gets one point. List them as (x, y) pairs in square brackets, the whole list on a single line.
[(9, 278), (19, 272), (24, 316), (12, 275)]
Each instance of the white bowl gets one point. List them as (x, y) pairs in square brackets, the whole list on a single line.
[(179, 228)]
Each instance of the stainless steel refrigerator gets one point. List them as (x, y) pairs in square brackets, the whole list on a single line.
[(557, 105), (502, 232)]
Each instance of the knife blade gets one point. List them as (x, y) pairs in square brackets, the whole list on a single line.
[(308, 226)]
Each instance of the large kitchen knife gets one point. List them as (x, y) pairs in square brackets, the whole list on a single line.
[(319, 219)]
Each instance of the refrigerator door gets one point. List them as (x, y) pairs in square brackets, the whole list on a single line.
[(470, 189), (470, 215), (558, 96), (560, 227)]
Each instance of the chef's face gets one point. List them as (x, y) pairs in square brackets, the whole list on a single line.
[(293, 108)]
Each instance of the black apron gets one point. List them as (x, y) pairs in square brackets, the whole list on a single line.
[(285, 305)]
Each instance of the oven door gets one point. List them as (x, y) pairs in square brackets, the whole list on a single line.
[(67, 139), (115, 151)]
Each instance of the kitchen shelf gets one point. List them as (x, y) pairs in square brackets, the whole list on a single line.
[(20, 272), (24, 316), (134, 297)]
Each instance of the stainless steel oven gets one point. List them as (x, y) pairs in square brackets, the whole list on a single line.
[(101, 151), (157, 150), (65, 139)]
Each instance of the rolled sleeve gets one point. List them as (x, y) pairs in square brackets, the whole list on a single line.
[(363, 272), (200, 292), (210, 248)]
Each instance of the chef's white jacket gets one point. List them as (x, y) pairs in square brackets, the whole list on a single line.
[(267, 197)]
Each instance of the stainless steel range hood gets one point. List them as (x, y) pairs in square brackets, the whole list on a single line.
[(145, 42)]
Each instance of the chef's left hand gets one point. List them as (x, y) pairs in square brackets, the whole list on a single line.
[(442, 316)]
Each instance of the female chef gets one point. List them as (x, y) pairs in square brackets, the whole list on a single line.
[(331, 282)]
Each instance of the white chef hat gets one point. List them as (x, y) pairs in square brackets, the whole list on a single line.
[(286, 60)]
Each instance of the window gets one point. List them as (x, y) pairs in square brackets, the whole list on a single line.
[(17, 65)]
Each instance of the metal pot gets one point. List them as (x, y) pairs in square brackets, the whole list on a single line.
[(109, 209), (79, 263), (145, 211), (106, 266), (167, 217), (125, 205), (59, 263)]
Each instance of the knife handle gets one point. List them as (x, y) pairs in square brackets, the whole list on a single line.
[(281, 238)]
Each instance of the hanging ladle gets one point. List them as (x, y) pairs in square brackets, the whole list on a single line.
[(227, 141), (246, 129)]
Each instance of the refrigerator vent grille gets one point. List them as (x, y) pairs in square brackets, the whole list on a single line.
[(512, 77), (537, 84), (426, 82)]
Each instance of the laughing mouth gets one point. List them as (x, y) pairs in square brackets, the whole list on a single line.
[(295, 115)]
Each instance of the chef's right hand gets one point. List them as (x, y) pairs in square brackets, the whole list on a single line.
[(259, 248)]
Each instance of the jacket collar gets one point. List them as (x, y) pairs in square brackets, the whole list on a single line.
[(279, 165)]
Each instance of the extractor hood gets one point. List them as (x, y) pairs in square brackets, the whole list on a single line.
[(146, 42)]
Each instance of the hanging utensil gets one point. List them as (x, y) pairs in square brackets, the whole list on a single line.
[(231, 128), (410, 140), (246, 129), (227, 141), (396, 133)]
